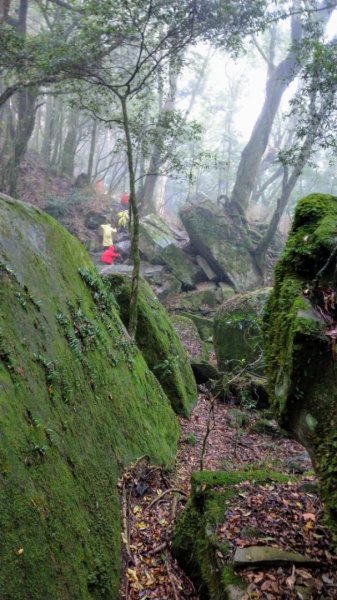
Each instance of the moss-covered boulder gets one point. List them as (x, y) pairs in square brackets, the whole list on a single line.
[(77, 402), (196, 349), (154, 236), (159, 343), (224, 242), (181, 266), (202, 301), (195, 543), (300, 334), (204, 325), (189, 335), (238, 331)]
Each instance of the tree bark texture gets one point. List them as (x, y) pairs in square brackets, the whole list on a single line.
[(134, 224)]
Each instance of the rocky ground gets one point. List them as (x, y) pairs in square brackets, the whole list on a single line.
[(288, 516)]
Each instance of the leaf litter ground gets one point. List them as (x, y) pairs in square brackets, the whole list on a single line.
[(279, 515)]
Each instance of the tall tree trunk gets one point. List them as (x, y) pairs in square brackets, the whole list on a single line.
[(289, 181), (148, 192), (49, 128), (25, 117), (92, 150), (134, 224), (58, 134), (278, 80), (24, 129), (70, 144), (151, 194)]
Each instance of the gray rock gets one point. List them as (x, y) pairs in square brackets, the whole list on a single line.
[(181, 266), (223, 241), (256, 557), (202, 262), (226, 291), (235, 592), (154, 236), (238, 330)]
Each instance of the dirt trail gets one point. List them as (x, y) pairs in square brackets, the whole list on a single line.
[(152, 498)]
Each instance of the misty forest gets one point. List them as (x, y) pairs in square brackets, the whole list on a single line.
[(168, 299)]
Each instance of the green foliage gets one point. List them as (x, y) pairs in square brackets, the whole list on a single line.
[(191, 439), (166, 367)]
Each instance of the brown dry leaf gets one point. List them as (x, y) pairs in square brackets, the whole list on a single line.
[(304, 574), (291, 580), (309, 517), (258, 578), (308, 526), (267, 585)]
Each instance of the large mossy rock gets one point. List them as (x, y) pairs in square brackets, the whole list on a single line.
[(154, 236), (300, 351), (188, 333), (201, 301), (77, 402), (196, 349), (204, 325), (195, 542), (238, 331), (159, 343), (224, 242), (182, 266)]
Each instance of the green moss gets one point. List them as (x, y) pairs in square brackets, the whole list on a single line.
[(237, 330), (181, 265), (224, 242), (312, 238), (69, 419), (203, 324), (195, 543), (159, 344), (154, 236), (299, 356)]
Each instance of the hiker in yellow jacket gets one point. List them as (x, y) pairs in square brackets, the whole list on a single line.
[(107, 231)]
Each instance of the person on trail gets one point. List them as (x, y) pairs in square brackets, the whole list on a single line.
[(109, 255), (107, 231), (125, 199)]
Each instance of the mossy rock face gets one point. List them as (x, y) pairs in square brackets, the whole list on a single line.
[(204, 325), (238, 330), (181, 266), (249, 390), (77, 402), (154, 236), (300, 361), (188, 333), (224, 243), (159, 344), (196, 349), (195, 543), (203, 301)]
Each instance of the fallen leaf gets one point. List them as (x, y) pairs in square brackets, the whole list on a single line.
[(309, 517)]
